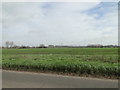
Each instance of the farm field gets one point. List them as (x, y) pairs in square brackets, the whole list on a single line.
[(79, 61)]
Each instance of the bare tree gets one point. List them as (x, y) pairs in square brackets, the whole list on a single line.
[(7, 44), (11, 44)]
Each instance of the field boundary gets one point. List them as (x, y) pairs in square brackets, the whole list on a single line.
[(66, 74)]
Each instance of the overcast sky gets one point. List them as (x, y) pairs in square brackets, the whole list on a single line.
[(60, 23)]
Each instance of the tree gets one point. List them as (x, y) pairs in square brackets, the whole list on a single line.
[(7, 44), (11, 44), (42, 46)]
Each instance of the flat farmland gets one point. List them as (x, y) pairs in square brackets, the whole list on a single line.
[(79, 61)]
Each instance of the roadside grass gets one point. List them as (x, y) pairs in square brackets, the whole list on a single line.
[(90, 61)]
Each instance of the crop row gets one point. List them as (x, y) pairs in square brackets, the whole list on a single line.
[(92, 68)]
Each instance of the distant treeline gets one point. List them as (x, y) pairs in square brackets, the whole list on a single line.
[(63, 46), (11, 44)]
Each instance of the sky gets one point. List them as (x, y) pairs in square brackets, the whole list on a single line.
[(60, 23)]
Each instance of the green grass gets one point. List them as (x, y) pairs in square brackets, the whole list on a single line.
[(73, 51), (91, 61)]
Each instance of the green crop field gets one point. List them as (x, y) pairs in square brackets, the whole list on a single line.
[(80, 61)]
